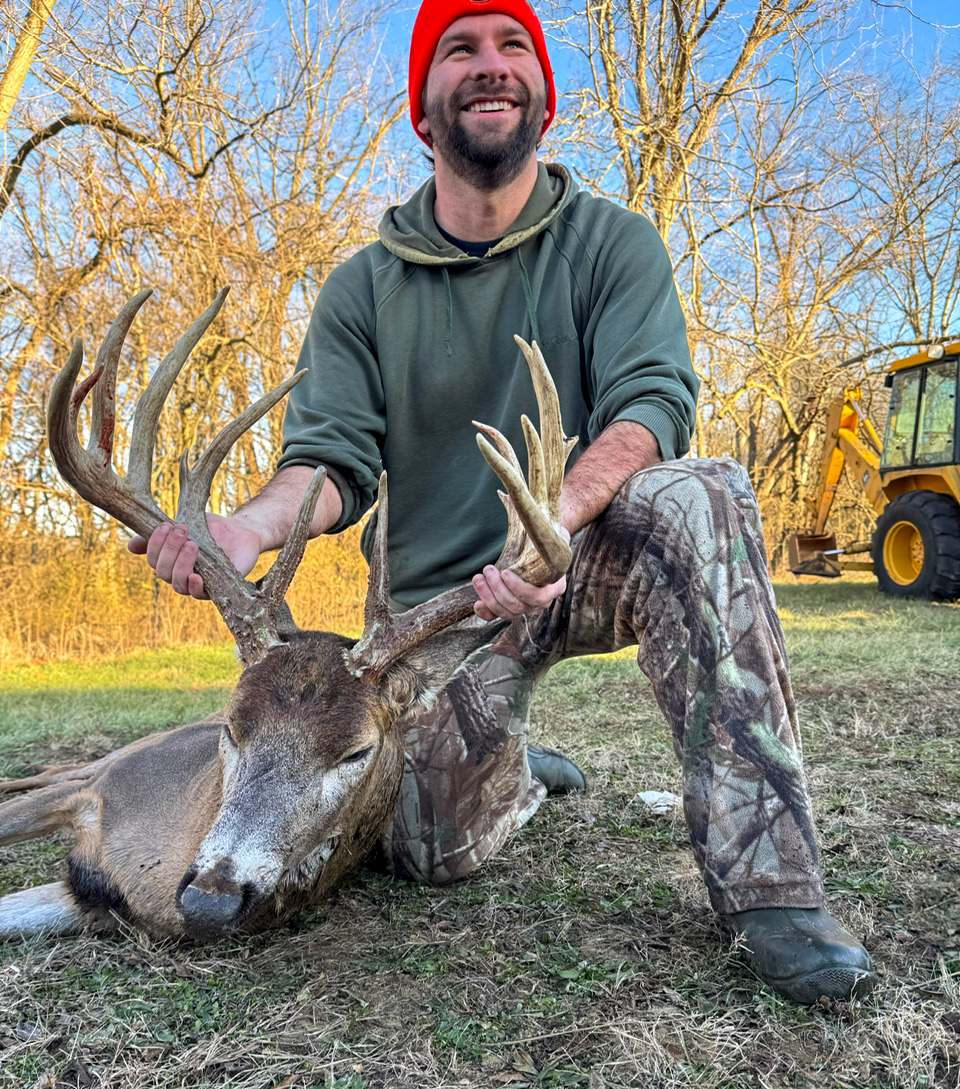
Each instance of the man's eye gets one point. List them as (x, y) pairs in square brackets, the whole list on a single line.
[(356, 757)]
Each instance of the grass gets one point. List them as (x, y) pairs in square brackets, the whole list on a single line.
[(585, 955), (59, 710)]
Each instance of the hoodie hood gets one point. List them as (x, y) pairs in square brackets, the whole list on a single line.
[(410, 232)]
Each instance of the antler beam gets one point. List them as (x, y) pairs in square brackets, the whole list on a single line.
[(252, 613), (536, 547)]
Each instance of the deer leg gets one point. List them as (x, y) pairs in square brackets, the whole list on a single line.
[(46, 909), (38, 813), (45, 777)]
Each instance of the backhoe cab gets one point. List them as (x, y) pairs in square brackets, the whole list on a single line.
[(911, 479)]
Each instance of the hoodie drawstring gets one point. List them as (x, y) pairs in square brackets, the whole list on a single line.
[(528, 297), (448, 332)]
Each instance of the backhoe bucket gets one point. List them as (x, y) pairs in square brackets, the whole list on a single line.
[(814, 554)]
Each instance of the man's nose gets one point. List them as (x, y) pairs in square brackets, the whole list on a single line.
[(489, 63)]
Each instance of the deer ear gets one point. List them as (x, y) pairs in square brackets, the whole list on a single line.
[(419, 678)]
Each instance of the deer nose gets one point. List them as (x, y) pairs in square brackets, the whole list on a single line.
[(209, 912), (210, 907)]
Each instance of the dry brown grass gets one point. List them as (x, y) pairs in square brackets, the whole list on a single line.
[(61, 599)]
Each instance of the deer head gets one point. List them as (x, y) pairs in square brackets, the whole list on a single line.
[(308, 765)]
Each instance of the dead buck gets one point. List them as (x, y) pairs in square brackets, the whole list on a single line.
[(237, 822)]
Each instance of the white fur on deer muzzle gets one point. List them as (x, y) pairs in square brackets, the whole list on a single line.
[(275, 826)]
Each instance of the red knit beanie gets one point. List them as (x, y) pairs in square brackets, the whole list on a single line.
[(435, 16)]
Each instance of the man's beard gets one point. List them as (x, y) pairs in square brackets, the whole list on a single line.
[(486, 162)]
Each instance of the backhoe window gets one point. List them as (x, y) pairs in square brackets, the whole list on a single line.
[(902, 419), (938, 414)]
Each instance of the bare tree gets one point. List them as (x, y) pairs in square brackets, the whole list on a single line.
[(180, 145), (914, 172), (28, 38), (808, 200)]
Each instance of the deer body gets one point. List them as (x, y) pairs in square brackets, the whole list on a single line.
[(237, 822), (166, 786)]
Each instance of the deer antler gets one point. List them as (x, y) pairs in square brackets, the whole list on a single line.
[(535, 547), (253, 613)]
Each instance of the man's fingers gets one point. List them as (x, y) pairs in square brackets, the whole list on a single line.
[(172, 555), (534, 597), (137, 545), (183, 562), (156, 543), (196, 588), (504, 594)]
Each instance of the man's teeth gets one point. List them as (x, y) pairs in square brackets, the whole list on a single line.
[(489, 107)]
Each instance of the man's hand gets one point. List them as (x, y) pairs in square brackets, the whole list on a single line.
[(505, 595), (259, 526), (172, 554)]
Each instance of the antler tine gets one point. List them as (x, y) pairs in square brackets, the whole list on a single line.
[(147, 414), (556, 446), (516, 535), (252, 613), (241, 604), (195, 483), (90, 471), (545, 554), (536, 472), (376, 606), (277, 580), (104, 397)]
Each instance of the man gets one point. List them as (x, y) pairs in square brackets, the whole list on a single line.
[(412, 339)]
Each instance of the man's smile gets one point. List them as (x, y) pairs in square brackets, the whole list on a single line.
[(496, 106)]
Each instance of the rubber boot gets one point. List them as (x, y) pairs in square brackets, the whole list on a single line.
[(558, 773), (803, 953)]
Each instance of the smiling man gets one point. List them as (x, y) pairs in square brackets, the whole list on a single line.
[(486, 105), (411, 340)]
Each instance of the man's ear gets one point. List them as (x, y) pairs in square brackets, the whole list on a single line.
[(424, 129)]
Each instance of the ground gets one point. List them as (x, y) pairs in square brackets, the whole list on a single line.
[(586, 954)]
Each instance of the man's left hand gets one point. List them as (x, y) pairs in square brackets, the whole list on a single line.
[(504, 594)]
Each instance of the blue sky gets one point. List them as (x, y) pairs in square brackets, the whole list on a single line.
[(916, 30)]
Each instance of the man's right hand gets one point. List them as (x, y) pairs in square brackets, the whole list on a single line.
[(172, 554)]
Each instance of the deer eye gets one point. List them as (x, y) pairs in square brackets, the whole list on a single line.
[(226, 736), (356, 757)]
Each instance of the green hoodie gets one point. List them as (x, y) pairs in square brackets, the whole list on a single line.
[(411, 340)]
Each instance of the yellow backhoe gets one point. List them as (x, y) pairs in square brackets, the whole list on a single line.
[(911, 479)]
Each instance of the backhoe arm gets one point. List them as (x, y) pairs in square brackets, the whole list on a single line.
[(850, 442)]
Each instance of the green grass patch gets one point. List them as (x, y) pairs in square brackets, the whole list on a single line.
[(57, 712)]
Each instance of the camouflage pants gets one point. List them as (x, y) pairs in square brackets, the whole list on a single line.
[(676, 566)]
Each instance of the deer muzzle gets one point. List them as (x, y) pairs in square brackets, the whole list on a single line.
[(212, 904)]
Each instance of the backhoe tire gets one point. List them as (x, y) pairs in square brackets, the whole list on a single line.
[(916, 547)]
